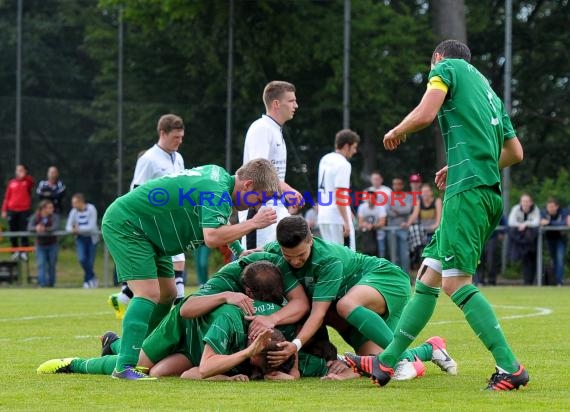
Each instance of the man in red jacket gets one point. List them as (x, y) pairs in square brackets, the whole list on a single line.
[(17, 206)]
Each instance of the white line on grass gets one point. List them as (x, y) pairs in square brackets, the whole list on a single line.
[(60, 315), (538, 312)]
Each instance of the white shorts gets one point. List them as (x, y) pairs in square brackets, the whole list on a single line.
[(332, 232)]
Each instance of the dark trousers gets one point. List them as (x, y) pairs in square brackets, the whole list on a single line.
[(18, 222)]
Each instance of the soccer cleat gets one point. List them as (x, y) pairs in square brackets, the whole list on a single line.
[(132, 374), (440, 356), (508, 381), (62, 365), (407, 370), (371, 367), (106, 340), (120, 307)]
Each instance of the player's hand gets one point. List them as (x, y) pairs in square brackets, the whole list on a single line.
[(239, 378), (278, 376), (264, 217), (250, 251), (293, 198), (441, 178), (260, 343), (336, 366), (242, 301), (346, 229), (392, 139), (276, 358), (259, 324)]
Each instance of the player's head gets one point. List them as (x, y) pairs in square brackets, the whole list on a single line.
[(295, 240), (450, 49), (263, 281), (280, 100), (257, 181), (170, 130), (260, 363), (346, 142)]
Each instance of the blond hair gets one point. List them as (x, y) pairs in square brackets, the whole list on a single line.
[(262, 173), (275, 90)]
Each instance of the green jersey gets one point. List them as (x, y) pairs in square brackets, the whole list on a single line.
[(474, 125), (331, 269), (228, 278), (171, 211)]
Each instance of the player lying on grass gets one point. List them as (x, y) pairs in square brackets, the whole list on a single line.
[(214, 346), (361, 296)]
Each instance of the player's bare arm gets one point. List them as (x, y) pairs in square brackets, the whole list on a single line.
[(511, 153), (419, 118), (220, 236), (297, 306), (197, 306)]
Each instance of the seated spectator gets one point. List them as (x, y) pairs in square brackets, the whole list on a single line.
[(45, 221), (556, 240), (371, 219), (524, 220), (82, 222)]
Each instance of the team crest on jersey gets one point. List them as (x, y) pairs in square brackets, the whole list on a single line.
[(309, 282), (221, 220), (215, 174)]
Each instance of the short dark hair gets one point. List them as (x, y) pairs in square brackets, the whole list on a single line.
[(274, 90), (79, 196), (552, 199), (264, 280), (168, 123), (346, 136), (292, 230), (453, 49)]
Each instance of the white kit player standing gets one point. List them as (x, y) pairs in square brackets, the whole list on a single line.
[(335, 220), (264, 139), (161, 159)]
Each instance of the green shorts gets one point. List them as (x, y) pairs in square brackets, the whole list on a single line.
[(312, 366), (468, 220), (393, 284), (134, 256), (168, 338)]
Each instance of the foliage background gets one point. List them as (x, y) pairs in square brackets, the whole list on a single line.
[(176, 59)]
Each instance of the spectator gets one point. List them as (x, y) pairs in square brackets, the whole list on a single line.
[(42, 222), (402, 213), (82, 222), (488, 264), (371, 220), (430, 211), (17, 207), (556, 240), (382, 197), (52, 189), (311, 217), (524, 220), (415, 183)]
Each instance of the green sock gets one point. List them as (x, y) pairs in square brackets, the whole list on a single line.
[(371, 325), (116, 346), (483, 321), (135, 327), (95, 366), (423, 352), (415, 316), (159, 312)]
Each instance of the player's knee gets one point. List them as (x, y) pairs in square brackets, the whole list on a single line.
[(345, 306)]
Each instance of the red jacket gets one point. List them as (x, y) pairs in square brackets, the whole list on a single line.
[(18, 196)]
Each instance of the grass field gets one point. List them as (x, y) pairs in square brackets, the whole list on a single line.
[(38, 324)]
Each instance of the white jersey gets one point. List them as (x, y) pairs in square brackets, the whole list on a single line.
[(155, 163), (334, 173), (264, 139)]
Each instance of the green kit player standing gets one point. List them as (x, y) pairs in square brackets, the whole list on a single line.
[(479, 141), (168, 216)]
